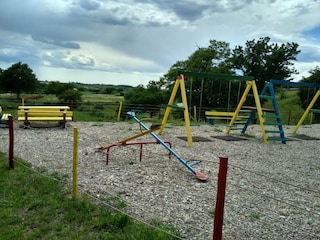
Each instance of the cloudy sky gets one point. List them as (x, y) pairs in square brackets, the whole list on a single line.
[(134, 41)]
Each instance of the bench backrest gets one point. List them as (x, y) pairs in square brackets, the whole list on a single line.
[(44, 108), (46, 111)]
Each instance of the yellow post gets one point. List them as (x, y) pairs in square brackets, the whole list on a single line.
[(168, 109), (119, 111), (305, 114), (259, 112), (241, 102), (179, 82), (185, 111), (22, 101), (75, 164), (195, 113)]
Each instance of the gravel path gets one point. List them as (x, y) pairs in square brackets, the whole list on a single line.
[(273, 191)]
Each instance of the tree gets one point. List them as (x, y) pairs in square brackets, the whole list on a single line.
[(64, 91), (152, 94), (306, 94), (264, 60), (18, 78), (70, 95), (211, 59)]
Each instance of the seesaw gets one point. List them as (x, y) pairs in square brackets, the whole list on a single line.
[(200, 176)]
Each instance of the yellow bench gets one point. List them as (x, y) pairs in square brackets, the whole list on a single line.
[(4, 117), (44, 113)]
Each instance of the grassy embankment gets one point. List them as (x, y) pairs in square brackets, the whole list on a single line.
[(40, 206)]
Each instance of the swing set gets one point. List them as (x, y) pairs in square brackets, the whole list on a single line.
[(180, 82), (269, 118)]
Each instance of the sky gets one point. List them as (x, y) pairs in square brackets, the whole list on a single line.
[(132, 42)]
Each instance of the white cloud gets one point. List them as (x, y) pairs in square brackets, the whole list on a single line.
[(122, 37)]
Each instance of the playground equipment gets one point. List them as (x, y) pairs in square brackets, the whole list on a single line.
[(180, 82), (268, 118), (263, 115), (125, 142), (271, 117), (270, 86), (236, 118), (200, 176)]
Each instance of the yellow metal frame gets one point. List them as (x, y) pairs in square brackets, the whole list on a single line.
[(251, 85), (124, 141), (179, 83), (305, 114), (219, 114)]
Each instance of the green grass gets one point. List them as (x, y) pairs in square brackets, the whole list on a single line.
[(289, 101), (101, 98), (33, 206)]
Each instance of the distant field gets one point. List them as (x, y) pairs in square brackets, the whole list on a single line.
[(101, 98), (104, 107)]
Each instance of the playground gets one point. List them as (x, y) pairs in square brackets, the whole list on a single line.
[(272, 189)]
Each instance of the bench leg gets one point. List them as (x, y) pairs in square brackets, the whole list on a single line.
[(64, 122), (26, 123)]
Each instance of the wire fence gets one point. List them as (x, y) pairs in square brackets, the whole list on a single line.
[(117, 111), (291, 217)]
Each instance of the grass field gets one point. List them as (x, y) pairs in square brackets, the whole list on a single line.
[(35, 205)]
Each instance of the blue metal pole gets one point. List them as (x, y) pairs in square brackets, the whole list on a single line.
[(159, 140)]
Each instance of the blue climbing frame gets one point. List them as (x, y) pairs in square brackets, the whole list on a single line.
[(197, 173)]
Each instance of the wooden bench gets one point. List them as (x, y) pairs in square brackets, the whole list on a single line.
[(4, 119), (62, 114)]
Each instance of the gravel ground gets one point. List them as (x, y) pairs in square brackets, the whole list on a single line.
[(273, 191)]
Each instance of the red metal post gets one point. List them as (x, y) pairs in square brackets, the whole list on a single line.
[(72, 108), (141, 152), (221, 192), (11, 143)]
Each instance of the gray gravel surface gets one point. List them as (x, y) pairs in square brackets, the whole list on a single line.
[(273, 191)]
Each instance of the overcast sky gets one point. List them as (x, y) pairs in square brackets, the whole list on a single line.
[(134, 41)]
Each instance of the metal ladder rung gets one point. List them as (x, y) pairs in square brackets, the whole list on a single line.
[(274, 131), (272, 124), (265, 96), (240, 122), (270, 116), (242, 117)]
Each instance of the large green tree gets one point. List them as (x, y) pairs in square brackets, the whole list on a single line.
[(264, 60), (18, 78), (203, 91), (152, 94)]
